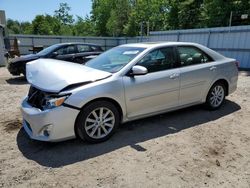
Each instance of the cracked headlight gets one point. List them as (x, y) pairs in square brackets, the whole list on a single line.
[(53, 102)]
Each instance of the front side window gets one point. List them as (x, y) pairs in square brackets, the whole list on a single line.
[(66, 50), (115, 59), (48, 50), (190, 56), (158, 60)]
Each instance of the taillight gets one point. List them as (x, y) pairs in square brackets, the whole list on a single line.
[(237, 63)]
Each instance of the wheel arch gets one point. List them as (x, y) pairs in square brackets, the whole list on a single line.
[(224, 82), (221, 80), (114, 102)]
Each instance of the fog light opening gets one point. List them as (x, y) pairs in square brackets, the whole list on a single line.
[(46, 131)]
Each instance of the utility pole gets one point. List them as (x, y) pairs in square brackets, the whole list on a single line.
[(148, 28), (230, 19), (141, 31)]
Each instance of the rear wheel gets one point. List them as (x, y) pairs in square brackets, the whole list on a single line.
[(97, 122), (216, 96)]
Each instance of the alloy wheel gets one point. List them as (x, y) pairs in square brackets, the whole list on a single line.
[(99, 123), (217, 96)]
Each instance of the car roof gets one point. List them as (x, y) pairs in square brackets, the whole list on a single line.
[(70, 43), (151, 45), (157, 44)]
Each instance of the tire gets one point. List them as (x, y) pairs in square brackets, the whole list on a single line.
[(23, 70), (94, 129), (216, 96)]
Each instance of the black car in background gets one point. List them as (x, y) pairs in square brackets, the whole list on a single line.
[(73, 52)]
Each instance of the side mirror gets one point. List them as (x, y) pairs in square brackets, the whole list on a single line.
[(54, 54), (138, 70)]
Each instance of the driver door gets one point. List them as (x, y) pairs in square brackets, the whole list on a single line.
[(156, 91)]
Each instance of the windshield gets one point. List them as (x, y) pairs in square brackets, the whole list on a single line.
[(48, 50), (113, 60)]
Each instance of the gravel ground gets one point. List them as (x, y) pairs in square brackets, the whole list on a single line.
[(187, 148)]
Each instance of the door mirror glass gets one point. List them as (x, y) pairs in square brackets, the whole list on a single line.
[(54, 54), (138, 70)]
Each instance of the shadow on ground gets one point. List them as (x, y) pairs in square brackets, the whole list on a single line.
[(17, 80), (130, 134), (244, 72)]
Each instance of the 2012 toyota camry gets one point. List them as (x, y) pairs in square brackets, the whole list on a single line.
[(128, 82)]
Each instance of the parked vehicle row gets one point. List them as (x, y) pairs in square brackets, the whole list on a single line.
[(72, 52), (125, 83)]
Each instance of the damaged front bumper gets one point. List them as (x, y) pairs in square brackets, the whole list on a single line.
[(52, 125)]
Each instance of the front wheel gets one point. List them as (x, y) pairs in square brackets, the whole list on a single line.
[(97, 122), (216, 96), (23, 70)]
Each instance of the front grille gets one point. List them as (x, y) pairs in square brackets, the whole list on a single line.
[(36, 98)]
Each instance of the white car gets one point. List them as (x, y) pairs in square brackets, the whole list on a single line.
[(128, 82)]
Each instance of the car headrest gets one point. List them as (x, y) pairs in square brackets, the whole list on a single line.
[(197, 58), (184, 57)]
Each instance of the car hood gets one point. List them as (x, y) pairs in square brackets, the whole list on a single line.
[(54, 75), (28, 57)]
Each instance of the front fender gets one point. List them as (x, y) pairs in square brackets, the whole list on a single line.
[(112, 90)]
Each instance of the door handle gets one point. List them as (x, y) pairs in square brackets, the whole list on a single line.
[(212, 68), (173, 76)]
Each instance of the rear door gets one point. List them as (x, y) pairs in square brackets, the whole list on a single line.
[(197, 70), (66, 53), (159, 89), (85, 52)]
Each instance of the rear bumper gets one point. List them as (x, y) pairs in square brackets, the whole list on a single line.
[(51, 125), (233, 84)]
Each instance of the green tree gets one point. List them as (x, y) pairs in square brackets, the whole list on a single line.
[(118, 18), (83, 27), (189, 13), (216, 13), (172, 18), (62, 14), (25, 28), (101, 10), (131, 28), (46, 25), (13, 26), (125, 17), (150, 13)]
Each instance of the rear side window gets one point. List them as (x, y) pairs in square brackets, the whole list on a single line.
[(191, 56), (96, 48), (83, 48)]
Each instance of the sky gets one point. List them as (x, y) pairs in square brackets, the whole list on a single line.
[(26, 10)]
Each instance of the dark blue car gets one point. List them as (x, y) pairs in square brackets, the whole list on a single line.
[(73, 52)]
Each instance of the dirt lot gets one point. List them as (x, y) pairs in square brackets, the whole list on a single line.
[(187, 148)]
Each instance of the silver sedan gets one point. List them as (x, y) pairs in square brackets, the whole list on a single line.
[(128, 82)]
